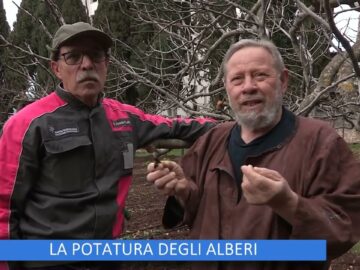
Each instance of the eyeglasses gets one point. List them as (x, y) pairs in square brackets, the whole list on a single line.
[(76, 57)]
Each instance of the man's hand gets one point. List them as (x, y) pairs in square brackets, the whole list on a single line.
[(169, 178), (264, 186)]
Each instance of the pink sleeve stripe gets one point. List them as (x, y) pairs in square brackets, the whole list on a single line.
[(11, 142), (123, 188), (155, 119)]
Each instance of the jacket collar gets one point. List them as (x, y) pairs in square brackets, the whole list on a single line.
[(282, 133), (273, 139), (71, 99)]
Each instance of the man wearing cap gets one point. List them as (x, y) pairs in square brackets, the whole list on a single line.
[(66, 160)]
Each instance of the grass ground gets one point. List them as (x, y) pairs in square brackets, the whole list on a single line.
[(356, 249), (355, 147)]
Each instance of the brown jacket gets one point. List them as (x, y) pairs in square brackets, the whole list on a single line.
[(319, 167)]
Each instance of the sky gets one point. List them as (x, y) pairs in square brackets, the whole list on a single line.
[(11, 10), (347, 21)]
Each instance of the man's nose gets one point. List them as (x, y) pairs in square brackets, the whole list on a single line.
[(249, 84), (87, 62)]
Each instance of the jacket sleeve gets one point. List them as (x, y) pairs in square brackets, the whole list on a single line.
[(174, 214), (151, 127), (18, 167), (330, 206), (9, 155), (18, 162)]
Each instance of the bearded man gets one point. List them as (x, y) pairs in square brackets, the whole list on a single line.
[(268, 175)]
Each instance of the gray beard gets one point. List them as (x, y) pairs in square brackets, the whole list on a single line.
[(257, 121)]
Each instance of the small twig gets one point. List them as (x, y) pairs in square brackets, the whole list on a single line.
[(157, 154)]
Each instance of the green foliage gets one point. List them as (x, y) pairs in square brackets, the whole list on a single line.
[(114, 17), (73, 11), (4, 96), (4, 26), (28, 32), (24, 25), (23, 36), (4, 31)]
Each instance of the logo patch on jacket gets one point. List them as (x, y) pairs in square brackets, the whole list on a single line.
[(63, 131), (122, 125)]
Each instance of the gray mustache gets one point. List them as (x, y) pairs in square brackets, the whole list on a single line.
[(85, 76)]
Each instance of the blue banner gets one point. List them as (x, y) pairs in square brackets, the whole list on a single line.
[(162, 250)]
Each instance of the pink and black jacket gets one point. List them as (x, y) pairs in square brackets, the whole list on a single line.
[(65, 168)]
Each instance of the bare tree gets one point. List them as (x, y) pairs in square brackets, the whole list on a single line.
[(180, 66)]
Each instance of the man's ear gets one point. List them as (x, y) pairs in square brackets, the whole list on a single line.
[(55, 68), (107, 61), (284, 78)]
